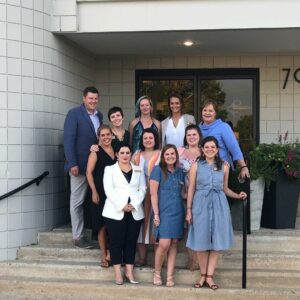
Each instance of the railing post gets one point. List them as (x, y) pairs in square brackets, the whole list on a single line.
[(244, 263)]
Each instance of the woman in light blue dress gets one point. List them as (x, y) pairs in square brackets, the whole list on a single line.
[(166, 187), (208, 214)]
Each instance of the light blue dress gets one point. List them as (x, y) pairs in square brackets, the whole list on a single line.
[(211, 228), (170, 203)]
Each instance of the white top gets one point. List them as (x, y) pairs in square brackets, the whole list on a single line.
[(95, 119), (175, 135)]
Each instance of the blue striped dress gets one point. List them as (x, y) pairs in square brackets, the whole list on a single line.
[(211, 228)]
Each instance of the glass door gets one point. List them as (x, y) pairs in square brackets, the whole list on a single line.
[(234, 98), (159, 89), (235, 91)]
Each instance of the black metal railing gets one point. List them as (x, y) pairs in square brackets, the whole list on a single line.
[(36, 180), (244, 259), (246, 230)]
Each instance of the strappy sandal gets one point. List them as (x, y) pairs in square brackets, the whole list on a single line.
[(198, 284), (157, 278), (170, 280), (211, 286)]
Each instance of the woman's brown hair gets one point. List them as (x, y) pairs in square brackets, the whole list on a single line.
[(103, 126), (163, 164), (210, 102)]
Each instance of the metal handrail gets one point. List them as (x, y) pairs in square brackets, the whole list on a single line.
[(244, 258), (36, 180)]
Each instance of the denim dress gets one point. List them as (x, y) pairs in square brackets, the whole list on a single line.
[(170, 203), (211, 227)]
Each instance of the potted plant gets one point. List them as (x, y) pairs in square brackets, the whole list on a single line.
[(281, 200), (262, 173)]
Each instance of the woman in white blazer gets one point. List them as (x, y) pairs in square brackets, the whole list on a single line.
[(125, 188), (173, 127)]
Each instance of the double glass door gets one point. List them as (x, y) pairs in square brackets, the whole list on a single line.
[(234, 90)]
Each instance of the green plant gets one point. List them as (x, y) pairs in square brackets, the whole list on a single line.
[(261, 166), (283, 157)]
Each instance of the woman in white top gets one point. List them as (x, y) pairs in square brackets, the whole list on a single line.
[(173, 127), (125, 188)]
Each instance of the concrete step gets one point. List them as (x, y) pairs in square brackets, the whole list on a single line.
[(16, 288), (229, 259), (260, 241), (77, 270)]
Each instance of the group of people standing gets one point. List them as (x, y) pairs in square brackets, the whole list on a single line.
[(138, 191)]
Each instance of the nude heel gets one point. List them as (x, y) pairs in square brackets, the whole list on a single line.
[(157, 278)]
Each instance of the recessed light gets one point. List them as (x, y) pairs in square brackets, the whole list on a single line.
[(188, 43)]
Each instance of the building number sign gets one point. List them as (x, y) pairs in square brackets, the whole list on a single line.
[(296, 76)]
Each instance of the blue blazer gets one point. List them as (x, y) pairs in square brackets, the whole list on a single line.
[(79, 135)]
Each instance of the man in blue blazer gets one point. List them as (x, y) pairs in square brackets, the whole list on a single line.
[(80, 132)]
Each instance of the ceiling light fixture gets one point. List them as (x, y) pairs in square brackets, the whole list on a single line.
[(188, 43)]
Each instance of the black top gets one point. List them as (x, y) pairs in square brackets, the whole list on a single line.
[(103, 160), (115, 141), (127, 175)]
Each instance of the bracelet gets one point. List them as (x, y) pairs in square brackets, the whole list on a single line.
[(156, 214), (188, 208), (245, 166)]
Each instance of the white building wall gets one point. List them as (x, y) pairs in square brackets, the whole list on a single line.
[(279, 108), (41, 78), (145, 15)]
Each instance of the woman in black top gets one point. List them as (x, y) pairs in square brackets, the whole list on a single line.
[(95, 169)]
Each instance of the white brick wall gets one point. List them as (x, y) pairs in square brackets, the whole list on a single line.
[(279, 109), (41, 78)]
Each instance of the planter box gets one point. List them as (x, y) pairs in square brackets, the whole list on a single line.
[(280, 204), (257, 188)]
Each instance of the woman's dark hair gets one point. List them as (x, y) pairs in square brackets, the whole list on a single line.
[(175, 95), (218, 160), (163, 163), (103, 126), (113, 110), (156, 139), (121, 145), (192, 127)]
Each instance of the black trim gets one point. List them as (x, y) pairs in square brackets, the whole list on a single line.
[(244, 248), (36, 180)]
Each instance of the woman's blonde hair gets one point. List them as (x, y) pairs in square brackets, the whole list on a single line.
[(138, 104)]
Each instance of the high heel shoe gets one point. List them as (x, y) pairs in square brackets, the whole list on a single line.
[(157, 278), (200, 284), (132, 281), (170, 280), (212, 286), (119, 282)]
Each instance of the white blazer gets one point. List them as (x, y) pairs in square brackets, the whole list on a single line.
[(118, 190)]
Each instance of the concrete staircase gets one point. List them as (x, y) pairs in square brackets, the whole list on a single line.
[(55, 269)]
